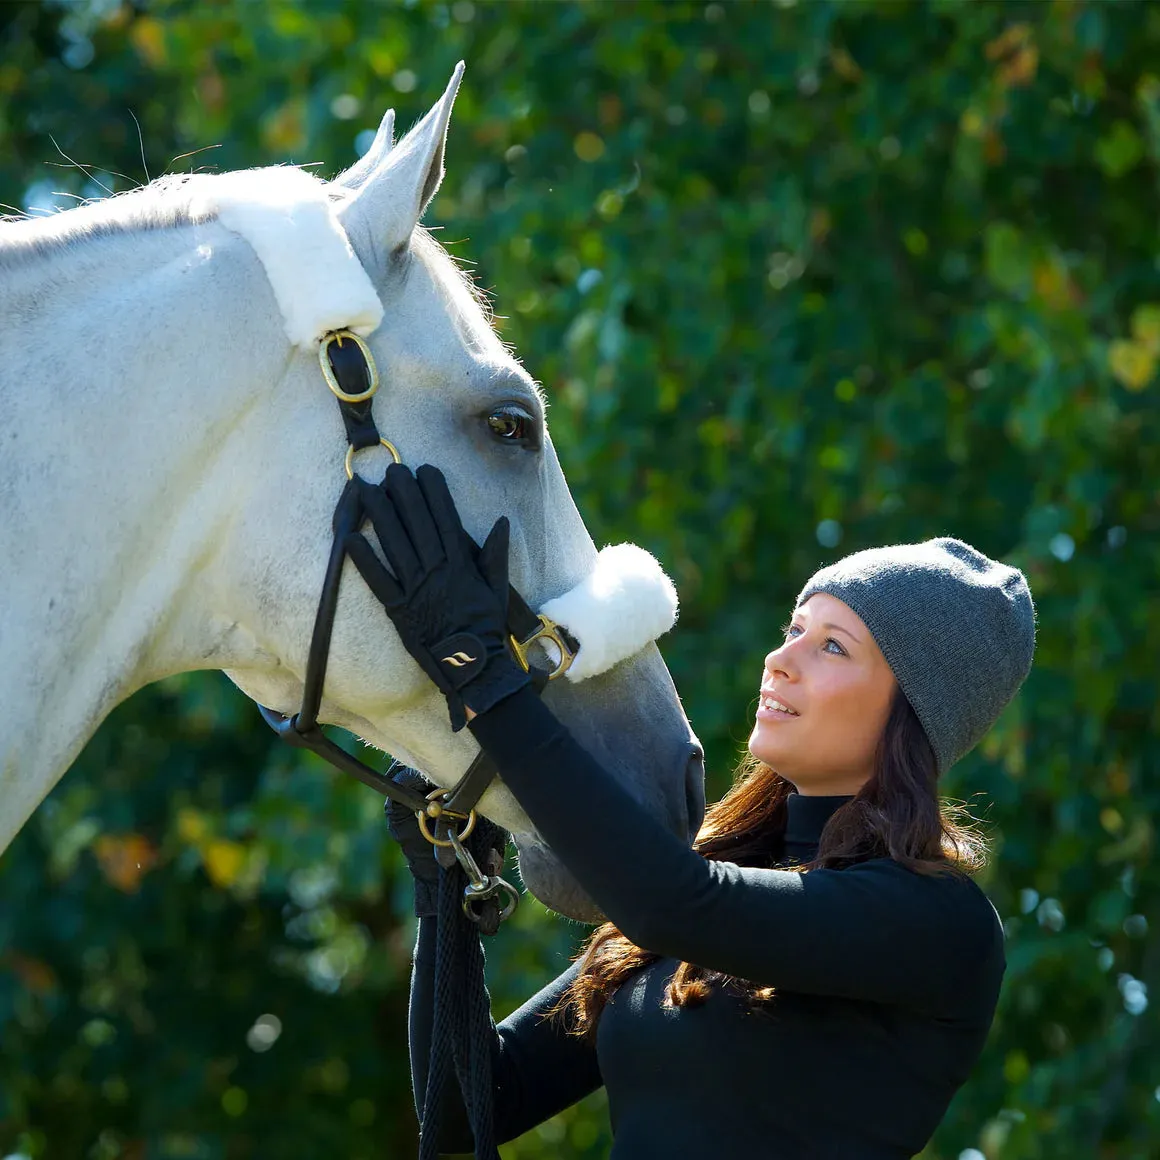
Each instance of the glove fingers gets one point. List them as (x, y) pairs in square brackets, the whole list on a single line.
[(409, 777), (437, 495), (411, 506), (393, 537), (385, 587), (406, 778), (493, 559)]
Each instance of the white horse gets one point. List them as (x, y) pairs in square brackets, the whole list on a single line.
[(170, 458)]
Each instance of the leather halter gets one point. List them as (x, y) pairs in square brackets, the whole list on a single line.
[(351, 375)]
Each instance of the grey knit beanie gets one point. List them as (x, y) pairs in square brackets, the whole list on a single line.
[(956, 628)]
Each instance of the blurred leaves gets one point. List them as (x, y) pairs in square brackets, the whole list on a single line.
[(798, 279)]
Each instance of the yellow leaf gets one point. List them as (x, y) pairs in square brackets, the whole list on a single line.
[(124, 859), (36, 975), (1016, 1067), (1020, 69), (845, 65), (1111, 819), (285, 128), (1132, 363), (1136, 844), (1011, 39), (973, 123), (148, 36), (1053, 284), (1016, 54), (191, 825), (587, 146), (224, 861), (1148, 88), (609, 109), (1146, 326), (211, 89)]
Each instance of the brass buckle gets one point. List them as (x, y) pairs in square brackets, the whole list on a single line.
[(340, 336), (435, 810), (549, 630)]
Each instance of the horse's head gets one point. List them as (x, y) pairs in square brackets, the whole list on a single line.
[(451, 395)]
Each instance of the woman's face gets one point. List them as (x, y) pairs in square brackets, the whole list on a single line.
[(833, 676)]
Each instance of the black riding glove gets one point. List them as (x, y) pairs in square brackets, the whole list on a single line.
[(448, 604), (486, 842)]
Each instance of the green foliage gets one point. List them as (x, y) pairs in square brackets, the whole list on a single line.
[(798, 279)]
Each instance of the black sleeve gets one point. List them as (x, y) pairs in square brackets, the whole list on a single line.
[(874, 931), (537, 1068)]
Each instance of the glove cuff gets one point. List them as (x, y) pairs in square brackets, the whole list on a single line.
[(499, 679)]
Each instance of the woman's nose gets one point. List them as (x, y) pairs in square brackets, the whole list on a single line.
[(778, 660)]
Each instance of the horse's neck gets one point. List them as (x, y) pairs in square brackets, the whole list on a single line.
[(125, 376)]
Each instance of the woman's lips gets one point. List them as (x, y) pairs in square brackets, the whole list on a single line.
[(764, 714)]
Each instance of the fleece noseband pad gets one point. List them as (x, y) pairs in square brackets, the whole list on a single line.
[(621, 606)]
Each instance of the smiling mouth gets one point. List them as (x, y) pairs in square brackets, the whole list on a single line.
[(772, 706)]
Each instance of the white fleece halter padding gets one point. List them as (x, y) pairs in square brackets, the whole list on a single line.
[(623, 604), (287, 217)]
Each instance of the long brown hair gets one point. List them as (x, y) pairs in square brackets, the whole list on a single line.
[(897, 814)]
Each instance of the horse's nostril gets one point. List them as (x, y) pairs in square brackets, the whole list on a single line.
[(695, 791)]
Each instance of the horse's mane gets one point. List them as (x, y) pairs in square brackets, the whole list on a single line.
[(165, 202), (169, 201)]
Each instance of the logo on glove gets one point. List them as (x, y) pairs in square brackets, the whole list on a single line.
[(462, 657), (458, 660)]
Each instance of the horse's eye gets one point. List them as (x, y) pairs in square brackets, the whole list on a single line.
[(512, 424)]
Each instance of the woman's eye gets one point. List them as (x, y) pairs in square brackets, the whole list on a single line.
[(788, 631), (512, 424)]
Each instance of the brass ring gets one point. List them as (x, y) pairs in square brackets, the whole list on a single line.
[(349, 464), (328, 371), (434, 798)]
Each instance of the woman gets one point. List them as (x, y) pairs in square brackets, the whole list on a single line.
[(735, 1006)]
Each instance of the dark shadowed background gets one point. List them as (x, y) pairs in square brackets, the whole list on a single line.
[(798, 279)]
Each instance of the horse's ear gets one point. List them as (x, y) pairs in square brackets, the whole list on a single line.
[(393, 190), (356, 176)]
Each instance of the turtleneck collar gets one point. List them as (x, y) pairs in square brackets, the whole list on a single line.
[(806, 817)]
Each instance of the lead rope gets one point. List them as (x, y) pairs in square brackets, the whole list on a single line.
[(472, 902), (461, 1030)]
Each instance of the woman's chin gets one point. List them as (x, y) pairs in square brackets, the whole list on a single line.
[(763, 748)]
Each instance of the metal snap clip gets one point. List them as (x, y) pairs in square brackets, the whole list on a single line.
[(551, 632)]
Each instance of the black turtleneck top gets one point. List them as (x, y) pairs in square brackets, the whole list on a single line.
[(886, 982)]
